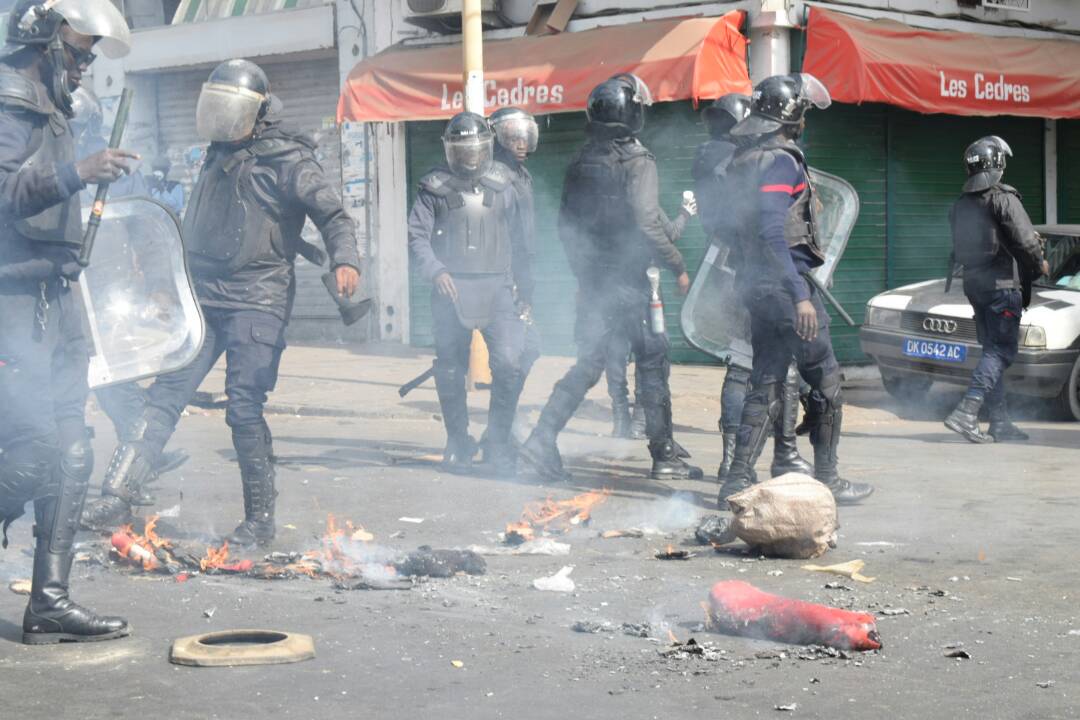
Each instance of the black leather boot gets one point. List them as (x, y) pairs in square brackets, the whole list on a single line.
[(786, 458), (964, 419), (541, 452), (759, 412), (51, 616), (500, 459), (254, 451), (130, 472), (1001, 427), (169, 461), (730, 437), (621, 422), (669, 464), (825, 436)]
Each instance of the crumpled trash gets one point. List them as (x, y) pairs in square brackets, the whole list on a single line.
[(559, 582), (715, 530), (540, 546), (791, 516), (851, 569)]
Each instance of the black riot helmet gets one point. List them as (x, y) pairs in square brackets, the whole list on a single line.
[(37, 23), (782, 101), (232, 100), (724, 113), (984, 160), (619, 103), (515, 128), (469, 145)]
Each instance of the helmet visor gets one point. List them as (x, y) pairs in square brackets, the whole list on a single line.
[(999, 142), (514, 131), (226, 113), (469, 156), (641, 90), (97, 18), (813, 91)]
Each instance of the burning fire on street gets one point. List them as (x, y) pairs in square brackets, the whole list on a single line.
[(345, 555), (554, 517)]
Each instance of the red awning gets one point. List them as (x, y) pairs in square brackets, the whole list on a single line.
[(934, 71), (677, 59)]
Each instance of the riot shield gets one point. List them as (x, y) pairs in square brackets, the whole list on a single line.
[(714, 319), (141, 311)]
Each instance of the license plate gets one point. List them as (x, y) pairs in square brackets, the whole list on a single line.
[(935, 350)]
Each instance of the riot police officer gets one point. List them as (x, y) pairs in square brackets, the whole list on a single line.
[(516, 138), (613, 229), (464, 236), (994, 240), (242, 231), (779, 244), (47, 456), (710, 170)]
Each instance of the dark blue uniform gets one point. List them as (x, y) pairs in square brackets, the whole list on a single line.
[(994, 239), (471, 230)]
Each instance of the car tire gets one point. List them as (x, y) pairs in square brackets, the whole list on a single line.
[(906, 388), (1069, 399)]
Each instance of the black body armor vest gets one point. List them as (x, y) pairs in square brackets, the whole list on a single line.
[(800, 226), (472, 231)]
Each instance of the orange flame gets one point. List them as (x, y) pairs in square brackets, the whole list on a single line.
[(556, 516), (671, 636), (215, 558), (152, 537)]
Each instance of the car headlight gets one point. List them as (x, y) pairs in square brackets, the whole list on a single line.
[(1032, 336), (882, 317)]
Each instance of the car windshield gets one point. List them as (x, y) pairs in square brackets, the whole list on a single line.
[(1063, 254)]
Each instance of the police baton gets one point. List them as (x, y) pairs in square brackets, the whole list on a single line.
[(832, 300), (98, 208)]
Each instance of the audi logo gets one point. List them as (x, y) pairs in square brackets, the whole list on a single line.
[(939, 325)]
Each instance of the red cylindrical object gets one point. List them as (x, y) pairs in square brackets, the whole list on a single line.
[(125, 545), (739, 608)]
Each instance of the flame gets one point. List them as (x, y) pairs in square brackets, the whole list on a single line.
[(671, 636), (708, 615), (557, 516), (670, 550), (215, 558)]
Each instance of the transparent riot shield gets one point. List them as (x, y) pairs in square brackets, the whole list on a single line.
[(714, 319), (141, 311)]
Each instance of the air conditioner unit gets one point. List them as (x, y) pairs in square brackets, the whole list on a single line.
[(444, 16)]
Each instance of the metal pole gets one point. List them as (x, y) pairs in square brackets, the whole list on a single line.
[(472, 41)]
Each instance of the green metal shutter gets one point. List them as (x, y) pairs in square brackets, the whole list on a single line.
[(849, 141), (672, 132), (1068, 171), (424, 151), (926, 173)]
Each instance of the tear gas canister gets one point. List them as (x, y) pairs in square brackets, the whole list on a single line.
[(656, 305)]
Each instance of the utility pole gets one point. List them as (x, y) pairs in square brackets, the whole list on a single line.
[(472, 41), (472, 44)]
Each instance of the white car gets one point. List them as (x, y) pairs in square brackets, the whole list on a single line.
[(918, 334)]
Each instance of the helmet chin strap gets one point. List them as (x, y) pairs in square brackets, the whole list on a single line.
[(61, 95)]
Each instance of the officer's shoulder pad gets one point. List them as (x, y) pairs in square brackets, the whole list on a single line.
[(437, 181), (1002, 187), (277, 147), (497, 177), (633, 148), (18, 92)]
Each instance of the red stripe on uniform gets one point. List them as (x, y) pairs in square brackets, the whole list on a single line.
[(784, 188)]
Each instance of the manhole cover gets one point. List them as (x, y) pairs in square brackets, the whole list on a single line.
[(242, 647)]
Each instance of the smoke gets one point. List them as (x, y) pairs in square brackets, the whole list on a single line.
[(664, 515)]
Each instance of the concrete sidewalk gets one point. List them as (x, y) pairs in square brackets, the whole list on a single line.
[(362, 381)]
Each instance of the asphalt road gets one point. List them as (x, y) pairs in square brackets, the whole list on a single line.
[(976, 543)]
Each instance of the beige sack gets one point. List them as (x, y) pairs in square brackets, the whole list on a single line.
[(791, 516)]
